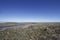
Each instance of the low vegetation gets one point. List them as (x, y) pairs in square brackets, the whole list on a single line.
[(33, 32)]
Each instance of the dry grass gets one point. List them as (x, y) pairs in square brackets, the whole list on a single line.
[(32, 32)]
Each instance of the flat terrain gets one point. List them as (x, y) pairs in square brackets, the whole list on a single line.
[(30, 31)]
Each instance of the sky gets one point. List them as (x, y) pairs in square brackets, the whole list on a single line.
[(29, 10)]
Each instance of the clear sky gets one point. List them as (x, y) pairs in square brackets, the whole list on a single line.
[(29, 10)]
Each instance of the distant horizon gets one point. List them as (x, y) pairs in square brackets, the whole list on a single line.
[(30, 22)]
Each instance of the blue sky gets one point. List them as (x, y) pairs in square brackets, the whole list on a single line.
[(29, 10)]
